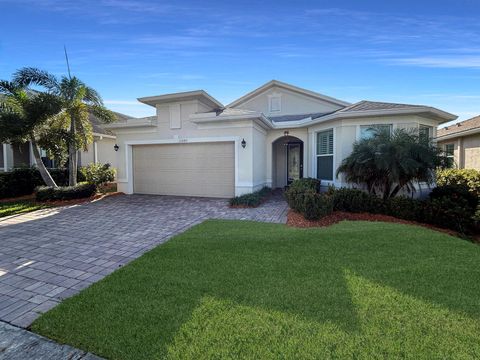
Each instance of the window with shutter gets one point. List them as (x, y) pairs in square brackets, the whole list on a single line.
[(325, 155)]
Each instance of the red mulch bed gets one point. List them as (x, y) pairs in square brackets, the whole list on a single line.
[(93, 198), (295, 219), (18, 198)]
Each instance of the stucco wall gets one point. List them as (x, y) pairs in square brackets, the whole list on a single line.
[(471, 145), (291, 103), (188, 132), (466, 151), (346, 132)]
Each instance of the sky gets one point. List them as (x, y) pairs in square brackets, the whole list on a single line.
[(418, 52)]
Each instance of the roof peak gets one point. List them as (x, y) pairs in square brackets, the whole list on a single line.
[(290, 87)]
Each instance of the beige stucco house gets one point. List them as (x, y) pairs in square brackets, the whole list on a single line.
[(461, 142), (196, 146), (101, 150)]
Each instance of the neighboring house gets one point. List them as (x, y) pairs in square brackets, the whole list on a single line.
[(101, 150), (461, 143), (277, 133)]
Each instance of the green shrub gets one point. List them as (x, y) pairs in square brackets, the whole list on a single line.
[(305, 184), (453, 207), (466, 177), (354, 200), (406, 208), (295, 192), (316, 205), (23, 181), (80, 191), (251, 200), (98, 174)]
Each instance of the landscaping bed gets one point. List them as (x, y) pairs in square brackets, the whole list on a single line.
[(239, 289), (296, 219)]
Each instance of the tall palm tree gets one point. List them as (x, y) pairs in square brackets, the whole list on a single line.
[(23, 114), (77, 100), (391, 162)]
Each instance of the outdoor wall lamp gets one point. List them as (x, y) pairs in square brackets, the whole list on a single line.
[(116, 147), (285, 133), (244, 143)]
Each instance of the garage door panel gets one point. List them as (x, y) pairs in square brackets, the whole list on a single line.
[(195, 169)]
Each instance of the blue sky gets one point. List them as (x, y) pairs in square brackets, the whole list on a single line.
[(421, 52)]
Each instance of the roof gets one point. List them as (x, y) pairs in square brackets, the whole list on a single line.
[(376, 108), (98, 125), (286, 118), (365, 105), (293, 88), (231, 111), (471, 126), (182, 96)]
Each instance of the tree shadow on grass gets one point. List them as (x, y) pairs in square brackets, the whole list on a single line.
[(136, 312)]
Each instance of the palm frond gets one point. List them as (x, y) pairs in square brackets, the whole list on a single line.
[(32, 76), (92, 97), (102, 113)]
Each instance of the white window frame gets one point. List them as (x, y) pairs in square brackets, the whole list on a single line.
[(452, 156), (430, 130), (315, 167), (372, 126)]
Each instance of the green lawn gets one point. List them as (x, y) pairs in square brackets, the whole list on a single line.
[(18, 207), (231, 289)]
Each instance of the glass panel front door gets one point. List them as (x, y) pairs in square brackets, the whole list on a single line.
[(294, 162)]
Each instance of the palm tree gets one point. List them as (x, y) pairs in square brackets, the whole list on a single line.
[(391, 162), (77, 100), (23, 114)]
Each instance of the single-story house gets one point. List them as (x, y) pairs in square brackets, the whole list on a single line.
[(196, 146), (461, 143), (101, 150)]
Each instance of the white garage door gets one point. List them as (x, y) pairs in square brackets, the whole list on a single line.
[(195, 169)]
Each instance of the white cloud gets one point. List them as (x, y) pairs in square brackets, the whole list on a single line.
[(472, 62)]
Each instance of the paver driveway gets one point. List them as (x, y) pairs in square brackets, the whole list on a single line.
[(51, 254)]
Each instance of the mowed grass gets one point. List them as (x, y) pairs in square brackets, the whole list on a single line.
[(246, 290), (18, 207)]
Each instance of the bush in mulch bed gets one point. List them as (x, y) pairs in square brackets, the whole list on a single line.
[(452, 206), (251, 200), (23, 181), (80, 191)]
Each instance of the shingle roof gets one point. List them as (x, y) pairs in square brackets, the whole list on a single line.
[(233, 111), (375, 105), (97, 124), (284, 118), (470, 124)]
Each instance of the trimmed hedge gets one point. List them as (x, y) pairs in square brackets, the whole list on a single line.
[(80, 191), (251, 200), (452, 206), (23, 181)]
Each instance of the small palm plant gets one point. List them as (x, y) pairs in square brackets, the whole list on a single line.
[(388, 162), (23, 115), (77, 101)]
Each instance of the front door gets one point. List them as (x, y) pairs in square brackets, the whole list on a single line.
[(294, 162)]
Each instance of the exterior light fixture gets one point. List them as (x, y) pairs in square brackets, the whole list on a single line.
[(244, 143), (285, 133), (116, 147)]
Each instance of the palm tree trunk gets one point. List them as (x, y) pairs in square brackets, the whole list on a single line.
[(72, 154), (47, 178)]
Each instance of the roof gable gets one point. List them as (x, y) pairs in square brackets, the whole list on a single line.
[(281, 85)]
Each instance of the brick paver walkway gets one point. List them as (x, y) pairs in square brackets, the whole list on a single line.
[(51, 254)]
